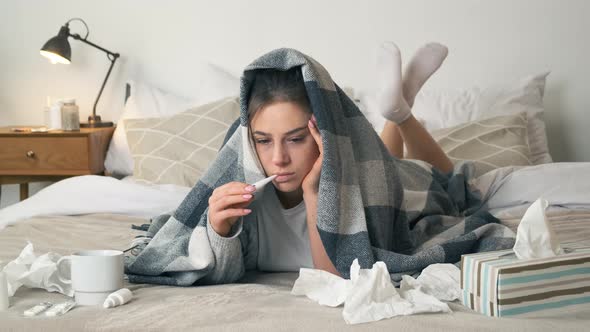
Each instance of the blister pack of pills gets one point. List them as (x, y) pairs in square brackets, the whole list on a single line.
[(49, 309), (60, 309), (37, 309)]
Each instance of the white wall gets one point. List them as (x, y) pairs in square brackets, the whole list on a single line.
[(166, 42)]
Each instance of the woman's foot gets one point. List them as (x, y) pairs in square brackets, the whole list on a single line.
[(422, 65), (390, 98)]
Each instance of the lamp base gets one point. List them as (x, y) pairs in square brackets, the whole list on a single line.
[(94, 121), (96, 124)]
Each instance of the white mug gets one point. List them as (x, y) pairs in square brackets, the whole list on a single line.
[(94, 274)]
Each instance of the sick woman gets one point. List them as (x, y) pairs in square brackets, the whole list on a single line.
[(341, 192)]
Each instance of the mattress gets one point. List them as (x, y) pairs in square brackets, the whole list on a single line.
[(260, 301)]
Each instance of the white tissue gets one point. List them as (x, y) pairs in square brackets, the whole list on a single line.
[(535, 237), (370, 295), (323, 287), (443, 281), (35, 272)]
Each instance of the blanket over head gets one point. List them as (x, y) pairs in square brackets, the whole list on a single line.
[(371, 206)]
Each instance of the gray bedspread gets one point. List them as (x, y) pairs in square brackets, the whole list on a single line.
[(260, 302)]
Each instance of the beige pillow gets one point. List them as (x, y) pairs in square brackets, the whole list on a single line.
[(178, 149), (492, 143)]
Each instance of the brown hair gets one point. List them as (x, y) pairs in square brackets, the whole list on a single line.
[(272, 85)]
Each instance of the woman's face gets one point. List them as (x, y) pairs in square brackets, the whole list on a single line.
[(284, 144)]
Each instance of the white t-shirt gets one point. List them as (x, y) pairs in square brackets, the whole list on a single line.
[(283, 241)]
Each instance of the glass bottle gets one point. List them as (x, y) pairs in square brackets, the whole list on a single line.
[(70, 115)]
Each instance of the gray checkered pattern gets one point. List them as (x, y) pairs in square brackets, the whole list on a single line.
[(372, 206)]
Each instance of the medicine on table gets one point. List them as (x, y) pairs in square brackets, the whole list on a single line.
[(118, 298), (39, 308), (60, 309)]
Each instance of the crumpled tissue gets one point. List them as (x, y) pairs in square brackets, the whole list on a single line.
[(535, 237), (36, 272), (370, 295)]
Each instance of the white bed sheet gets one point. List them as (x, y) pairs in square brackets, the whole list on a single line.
[(96, 194), (507, 193)]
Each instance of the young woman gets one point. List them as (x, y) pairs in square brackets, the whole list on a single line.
[(287, 142)]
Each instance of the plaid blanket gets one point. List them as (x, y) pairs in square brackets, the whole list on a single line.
[(372, 206)]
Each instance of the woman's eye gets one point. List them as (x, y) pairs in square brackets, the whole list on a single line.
[(262, 141), (296, 139)]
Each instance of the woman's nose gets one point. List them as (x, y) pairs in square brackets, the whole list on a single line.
[(280, 155)]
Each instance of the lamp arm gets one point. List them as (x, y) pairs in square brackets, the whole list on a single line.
[(112, 56), (77, 37), (113, 59)]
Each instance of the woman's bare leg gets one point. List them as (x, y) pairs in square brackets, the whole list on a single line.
[(420, 145), (392, 139)]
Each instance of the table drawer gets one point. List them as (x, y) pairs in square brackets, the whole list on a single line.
[(44, 155)]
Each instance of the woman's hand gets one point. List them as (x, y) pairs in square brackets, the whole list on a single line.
[(227, 204), (311, 182)]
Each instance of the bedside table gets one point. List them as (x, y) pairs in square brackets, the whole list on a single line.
[(51, 156)]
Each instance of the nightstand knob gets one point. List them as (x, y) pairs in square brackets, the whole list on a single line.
[(31, 154)]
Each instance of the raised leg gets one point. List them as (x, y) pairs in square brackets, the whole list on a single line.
[(396, 97), (389, 98), (392, 139), (420, 145)]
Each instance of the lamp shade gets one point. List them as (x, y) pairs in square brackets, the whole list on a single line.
[(57, 49)]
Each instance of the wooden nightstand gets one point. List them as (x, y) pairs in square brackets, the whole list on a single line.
[(32, 157)]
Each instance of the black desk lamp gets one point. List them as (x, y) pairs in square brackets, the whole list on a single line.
[(57, 50)]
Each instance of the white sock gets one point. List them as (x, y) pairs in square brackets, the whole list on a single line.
[(422, 65), (390, 99)]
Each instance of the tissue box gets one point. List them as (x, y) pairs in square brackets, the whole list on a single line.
[(498, 284)]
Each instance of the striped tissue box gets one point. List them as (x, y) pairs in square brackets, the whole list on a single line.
[(496, 283)]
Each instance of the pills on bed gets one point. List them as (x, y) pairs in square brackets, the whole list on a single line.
[(37, 309), (60, 308)]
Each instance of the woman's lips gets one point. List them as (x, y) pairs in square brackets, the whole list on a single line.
[(284, 177)]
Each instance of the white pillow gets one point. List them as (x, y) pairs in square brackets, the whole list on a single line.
[(438, 109), (217, 83), (444, 108), (146, 101)]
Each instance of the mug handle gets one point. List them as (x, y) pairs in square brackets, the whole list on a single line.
[(64, 258)]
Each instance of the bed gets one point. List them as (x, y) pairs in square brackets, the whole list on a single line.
[(259, 302), (515, 143)]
